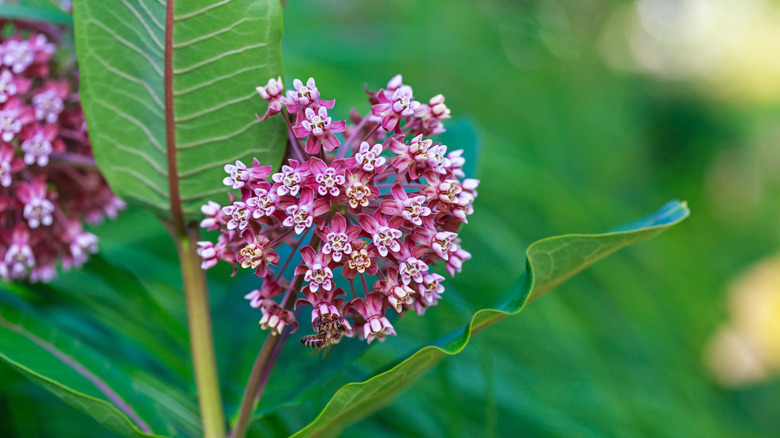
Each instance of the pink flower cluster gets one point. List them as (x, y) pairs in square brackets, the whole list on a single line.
[(49, 185), (379, 208)]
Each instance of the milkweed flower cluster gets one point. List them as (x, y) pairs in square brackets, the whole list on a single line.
[(49, 186), (373, 211)]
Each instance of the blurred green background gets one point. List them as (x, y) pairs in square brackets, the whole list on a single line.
[(587, 114)]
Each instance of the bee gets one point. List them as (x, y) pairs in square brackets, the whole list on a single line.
[(330, 330)]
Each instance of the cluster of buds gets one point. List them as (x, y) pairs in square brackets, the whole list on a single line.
[(49, 185), (371, 213)]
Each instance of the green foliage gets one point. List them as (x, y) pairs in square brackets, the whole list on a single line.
[(79, 376), (219, 52), (551, 261), (36, 10)]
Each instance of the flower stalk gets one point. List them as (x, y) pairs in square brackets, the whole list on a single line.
[(200, 331)]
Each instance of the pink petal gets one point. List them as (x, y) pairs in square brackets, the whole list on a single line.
[(368, 223), (309, 255), (312, 145), (338, 126), (300, 131), (317, 166), (338, 224)]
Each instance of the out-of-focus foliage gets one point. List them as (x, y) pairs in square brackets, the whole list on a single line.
[(569, 142)]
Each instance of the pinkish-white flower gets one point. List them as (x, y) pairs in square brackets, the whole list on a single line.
[(272, 92), (263, 204), (212, 212), (37, 209), (276, 319), (11, 85), (37, 147), (301, 215), (329, 179), (372, 310), (256, 254), (208, 254), (401, 104), (384, 235), (239, 215), (368, 157), (320, 130), (288, 181), (315, 269), (336, 239), (49, 103)]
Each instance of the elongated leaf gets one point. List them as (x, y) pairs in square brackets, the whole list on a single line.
[(73, 373), (221, 50), (39, 10), (550, 262)]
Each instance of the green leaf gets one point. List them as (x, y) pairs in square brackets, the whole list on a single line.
[(39, 10), (550, 262), (221, 50), (74, 373)]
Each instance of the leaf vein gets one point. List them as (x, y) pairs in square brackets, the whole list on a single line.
[(210, 35), (220, 163), (213, 108), (215, 80), (141, 154), (146, 26), (218, 138), (80, 369), (151, 16), (126, 76), (130, 46), (143, 179), (200, 11), (134, 121), (200, 64)]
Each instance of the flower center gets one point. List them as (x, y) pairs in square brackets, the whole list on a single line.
[(337, 241), (317, 122), (304, 93), (411, 266), (239, 174), (291, 179), (384, 237), (358, 195), (252, 256), (299, 216), (360, 261), (320, 274), (37, 146)]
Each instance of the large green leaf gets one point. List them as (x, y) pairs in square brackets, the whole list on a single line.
[(76, 374), (550, 262), (221, 50)]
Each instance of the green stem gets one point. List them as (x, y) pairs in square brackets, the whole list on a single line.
[(262, 368), (201, 341), (266, 359)]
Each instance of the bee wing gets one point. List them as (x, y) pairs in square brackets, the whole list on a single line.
[(325, 343), (327, 349)]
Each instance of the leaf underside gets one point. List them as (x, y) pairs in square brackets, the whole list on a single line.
[(550, 262), (222, 50)]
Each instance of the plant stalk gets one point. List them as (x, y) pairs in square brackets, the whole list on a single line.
[(261, 370), (201, 339), (266, 359)]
